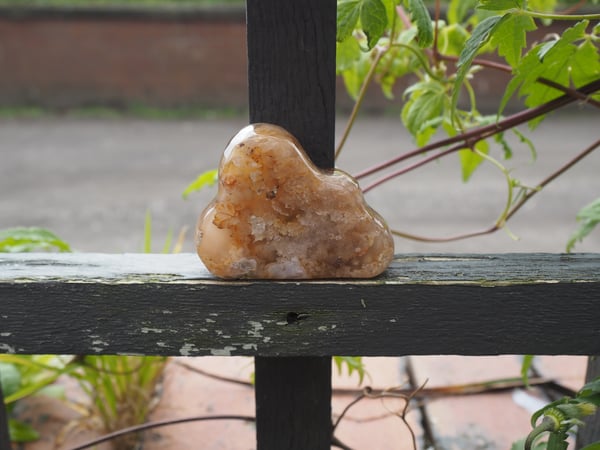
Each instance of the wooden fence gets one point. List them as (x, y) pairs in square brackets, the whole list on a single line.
[(424, 304)]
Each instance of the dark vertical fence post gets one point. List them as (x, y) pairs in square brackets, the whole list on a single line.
[(4, 437), (590, 433), (291, 73)]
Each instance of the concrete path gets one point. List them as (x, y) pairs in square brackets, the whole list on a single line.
[(92, 181)]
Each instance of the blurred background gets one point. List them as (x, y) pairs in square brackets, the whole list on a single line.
[(109, 109)]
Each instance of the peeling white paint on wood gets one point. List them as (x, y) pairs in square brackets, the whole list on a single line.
[(226, 351), (188, 349), (147, 330)]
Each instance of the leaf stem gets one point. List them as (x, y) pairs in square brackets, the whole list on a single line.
[(539, 15), (516, 207), (357, 104), (501, 221)]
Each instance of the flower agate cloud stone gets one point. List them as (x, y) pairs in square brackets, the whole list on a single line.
[(277, 216)]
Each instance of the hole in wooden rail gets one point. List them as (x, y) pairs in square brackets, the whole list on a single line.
[(293, 317)]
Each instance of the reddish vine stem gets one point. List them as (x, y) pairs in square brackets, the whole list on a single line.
[(162, 423), (513, 210), (469, 138)]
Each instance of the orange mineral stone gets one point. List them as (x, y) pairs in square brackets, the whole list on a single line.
[(277, 216)]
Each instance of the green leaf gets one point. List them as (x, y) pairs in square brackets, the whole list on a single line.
[(470, 160), (422, 19), (506, 148), (10, 379), (525, 140), (451, 39), (355, 75), (585, 64), (590, 388), (546, 6), (510, 37), (557, 441), (208, 178), (559, 61), (525, 366), (148, 233), (167, 245), (353, 363), (347, 53), (588, 217), (373, 19), (347, 17), (23, 239), (21, 431), (458, 9), (594, 446), (479, 37), (426, 103), (500, 5)]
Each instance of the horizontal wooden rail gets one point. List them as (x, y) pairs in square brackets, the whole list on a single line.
[(423, 304)]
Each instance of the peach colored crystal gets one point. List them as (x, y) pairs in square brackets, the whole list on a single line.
[(277, 216)]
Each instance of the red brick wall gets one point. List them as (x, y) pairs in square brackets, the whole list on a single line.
[(70, 62), (67, 59)]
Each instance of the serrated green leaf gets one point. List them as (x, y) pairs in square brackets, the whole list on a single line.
[(470, 160), (510, 37), (426, 103), (28, 239), (347, 17), (585, 64), (21, 431), (554, 61), (353, 363), (588, 218), (373, 20), (458, 9), (420, 16), (499, 5), (208, 178), (479, 37)]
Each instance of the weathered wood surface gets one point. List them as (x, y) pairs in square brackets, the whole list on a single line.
[(423, 304), (278, 383), (291, 71), (291, 83)]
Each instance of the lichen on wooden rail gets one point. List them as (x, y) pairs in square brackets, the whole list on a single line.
[(423, 304)]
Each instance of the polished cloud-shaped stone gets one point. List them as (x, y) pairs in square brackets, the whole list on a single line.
[(277, 216)]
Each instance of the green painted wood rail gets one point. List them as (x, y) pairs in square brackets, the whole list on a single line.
[(423, 304)]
